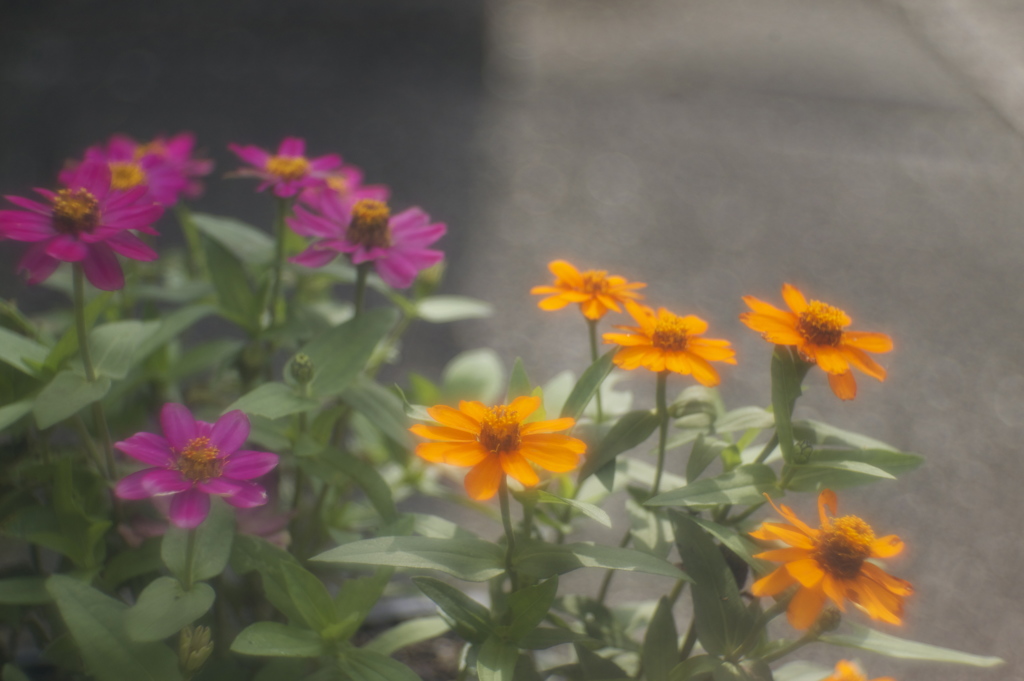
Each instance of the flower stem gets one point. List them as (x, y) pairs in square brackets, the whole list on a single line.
[(767, 616), (98, 416), (362, 271), (190, 549), (194, 252), (809, 637), (592, 325), (280, 232), (662, 429), (602, 592), (510, 535)]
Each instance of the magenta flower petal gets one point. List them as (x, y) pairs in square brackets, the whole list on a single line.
[(314, 257), (21, 226), (292, 146), (131, 246), (102, 269), (230, 432), (161, 481), (178, 424), (248, 495), (221, 487), (189, 509), (148, 448), (246, 465), (30, 205), (130, 486), (67, 248), (396, 272), (37, 264)]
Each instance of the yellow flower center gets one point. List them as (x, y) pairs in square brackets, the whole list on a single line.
[(843, 546), (499, 430), (338, 184), (75, 211), (821, 324), (369, 226), (198, 460), (595, 282), (670, 334), (126, 175), (288, 167)]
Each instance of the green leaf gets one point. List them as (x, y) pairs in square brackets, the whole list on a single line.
[(744, 418), (204, 356), (650, 529), (245, 242), (171, 327), (12, 673), (543, 638), (496, 660), (408, 633), (543, 560), (737, 542), (132, 563), (340, 467), (660, 652), (588, 385), (835, 468), (24, 591), (741, 486), (13, 412), (597, 668), (273, 400), (341, 353), (705, 451), (442, 309), (473, 560), (272, 639), (65, 396), (309, 596), (891, 646), (469, 619), (15, 349), (721, 619), (818, 433), (68, 343), (590, 510), (356, 598), (366, 665), (113, 346), (694, 667), (529, 606), (802, 671), (236, 297), (473, 375), (785, 391), (164, 608), (518, 382), (96, 623), (212, 545), (628, 432), (381, 407)]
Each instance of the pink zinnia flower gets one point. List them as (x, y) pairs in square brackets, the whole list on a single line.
[(346, 184), (194, 460), (177, 153), (85, 223), (288, 171), (131, 166), (366, 231)]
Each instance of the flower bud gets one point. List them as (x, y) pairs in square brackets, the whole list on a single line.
[(829, 620), (428, 280), (302, 369), (194, 648)]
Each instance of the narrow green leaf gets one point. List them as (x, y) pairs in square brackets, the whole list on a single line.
[(891, 646), (113, 346), (171, 327), (443, 309), (518, 382), (341, 353), (590, 510), (694, 667), (65, 396), (588, 385), (164, 608), (15, 349), (837, 468), (785, 391), (473, 375), (543, 560), (365, 665), (470, 620), (628, 432), (13, 412), (473, 560), (247, 243), (347, 467), (273, 400), (818, 433), (96, 623), (741, 486), (236, 297), (705, 451), (744, 418), (132, 563), (204, 356), (802, 671), (529, 606), (356, 598), (721, 618), (24, 591), (543, 638), (660, 652), (408, 633), (496, 660), (597, 668), (650, 529), (272, 639), (212, 545), (68, 343), (737, 542), (309, 596), (381, 407)]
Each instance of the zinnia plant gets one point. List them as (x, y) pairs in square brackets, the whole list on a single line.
[(594, 291), (288, 171)]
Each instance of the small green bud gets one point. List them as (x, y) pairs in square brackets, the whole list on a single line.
[(829, 620), (194, 649), (302, 368), (428, 280)]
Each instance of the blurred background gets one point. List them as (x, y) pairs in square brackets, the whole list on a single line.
[(868, 151)]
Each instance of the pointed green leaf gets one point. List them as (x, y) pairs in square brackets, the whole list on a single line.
[(699, 666), (273, 639), (473, 375), (590, 510), (356, 598), (381, 407), (68, 343), (518, 382), (365, 665), (66, 395), (473, 560), (309, 596), (247, 243), (273, 400), (705, 451), (543, 638), (628, 432), (113, 346), (786, 380), (543, 560), (212, 545), (408, 633), (660, 652), (471, 620), (15, 349), (588, 385), (13, 412), (741, 486), (891, 646), (443, 309), (529, 606), (341, 467), (24, 591), (496, 660), (341, 353), (836, 468), (164, 608), (236, 297), (597, 668), (744, 418)]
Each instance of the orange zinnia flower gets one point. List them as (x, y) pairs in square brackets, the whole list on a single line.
[(848, 671), (816, 329), (831, 562), (594, 290), (666, 342), (496, 442)]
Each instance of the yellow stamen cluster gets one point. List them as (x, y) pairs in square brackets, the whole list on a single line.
[(595, 282), (338, 184), (126, 175), (369, 226), (843, 545), (288, 167), (670, 333), (499, 430), (198, 460), (75, 211), (821, 324)]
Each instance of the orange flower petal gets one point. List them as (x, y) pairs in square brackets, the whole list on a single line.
[(553, 303), (774, 583), (564, 270), (831, 360), (524, 406), (593, 309), (834, 590), (773, 330), (806, 571), (441, 433), (516, 465), (703, 372), (895, 585), (453, 418), (886, 547), (843, 385), (483, 480), (868, 340), (862, 361), (827, 500), (794, 299), (877, 601), (761, 308), (454, 453), (552, 459), (550, 426), (788, 534), (804, 608), (474, 409), (783, 555), (626, 339), (787, 513)]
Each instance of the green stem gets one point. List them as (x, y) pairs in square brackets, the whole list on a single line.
[(190, 549), (677, 591), (510, 535), (767, 616), (690, 641), (592, 326), (768, 448), (737, 519), (662, 429), (606, 583), (90, 371), (280, 232), (194, 252), (809, 637), (362, 271)]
